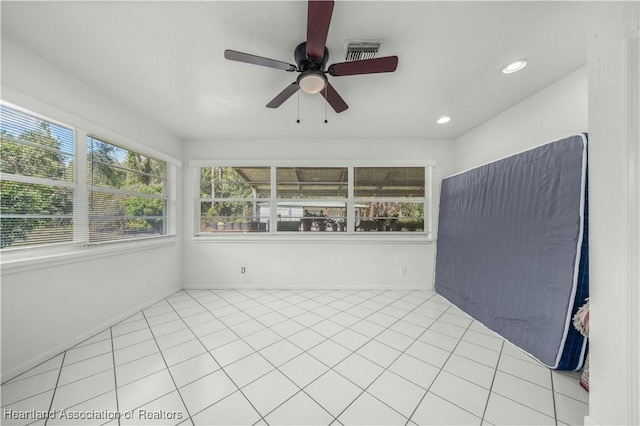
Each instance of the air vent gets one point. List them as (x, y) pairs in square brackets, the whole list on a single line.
[(359, 50)]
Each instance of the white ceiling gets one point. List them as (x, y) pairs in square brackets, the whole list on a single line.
[(165, 61)]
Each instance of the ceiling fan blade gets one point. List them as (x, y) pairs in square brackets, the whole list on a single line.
[(284, 95), (334, 99), (366, 66), (258, 60), (318, 20)]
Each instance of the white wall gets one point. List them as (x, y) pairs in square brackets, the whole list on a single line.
[(602, 89), (48, 88), (306, 262), (47, 307), (553, 113), (613, 130)]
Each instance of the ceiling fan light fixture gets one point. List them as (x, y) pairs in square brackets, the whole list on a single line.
[(514, 66), (312, 83)]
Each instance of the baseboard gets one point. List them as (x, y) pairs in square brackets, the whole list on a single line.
[(307, 287), (46, 356), (588, 421)]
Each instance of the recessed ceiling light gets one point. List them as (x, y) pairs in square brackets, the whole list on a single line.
[(444, 119), (514, 66)]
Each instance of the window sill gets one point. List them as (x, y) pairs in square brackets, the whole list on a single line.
[(36, 258), (316, 238)]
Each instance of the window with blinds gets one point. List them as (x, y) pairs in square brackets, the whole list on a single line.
[(37, 183), (127, 193), (58, 185)]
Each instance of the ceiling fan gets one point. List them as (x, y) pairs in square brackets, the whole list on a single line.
[(312, 56)]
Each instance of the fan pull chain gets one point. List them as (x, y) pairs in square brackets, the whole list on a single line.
[(298, 120)]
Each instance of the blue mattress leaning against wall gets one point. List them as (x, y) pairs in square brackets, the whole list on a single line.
[(575, 347), (512, 248)]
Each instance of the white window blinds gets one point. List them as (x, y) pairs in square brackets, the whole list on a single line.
[(37, 182), (127, 193), (58, 185)]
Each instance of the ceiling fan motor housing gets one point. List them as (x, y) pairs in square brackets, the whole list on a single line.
[(309, 64)]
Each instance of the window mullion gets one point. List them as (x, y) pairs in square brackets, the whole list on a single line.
[(273, 203), (197, 204), (81, 193), (351, 204), (170, 191), (428, 204)]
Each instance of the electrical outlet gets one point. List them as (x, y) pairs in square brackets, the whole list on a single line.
[(403, 270), (243, 270)]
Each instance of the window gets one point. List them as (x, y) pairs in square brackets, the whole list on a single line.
[(331, 199), (37, 185), (312, 198), (60, 186), (389, 198), (235, 199), (127, 193)]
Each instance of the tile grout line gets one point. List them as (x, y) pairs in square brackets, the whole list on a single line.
[(325, 339), (370, 339), (493, 379), (168, 370), (378, 293), (404, 352), (354, 351), (267, 360), (115, 377), (440, 371), (550, 388), (86, 359), (523, 404), (553, 398), (360, 319), (530, 382), (309, 327), (385, 369), (215, 360), (304, 327), (16, 378), (56, 387)]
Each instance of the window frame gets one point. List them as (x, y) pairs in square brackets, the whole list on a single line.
[(96, 188), (255, 199), (15, 259), (68, 183), (424, 200), (321, 203), (350, 235)]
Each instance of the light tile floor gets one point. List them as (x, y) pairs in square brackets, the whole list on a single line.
[(265, 357)]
